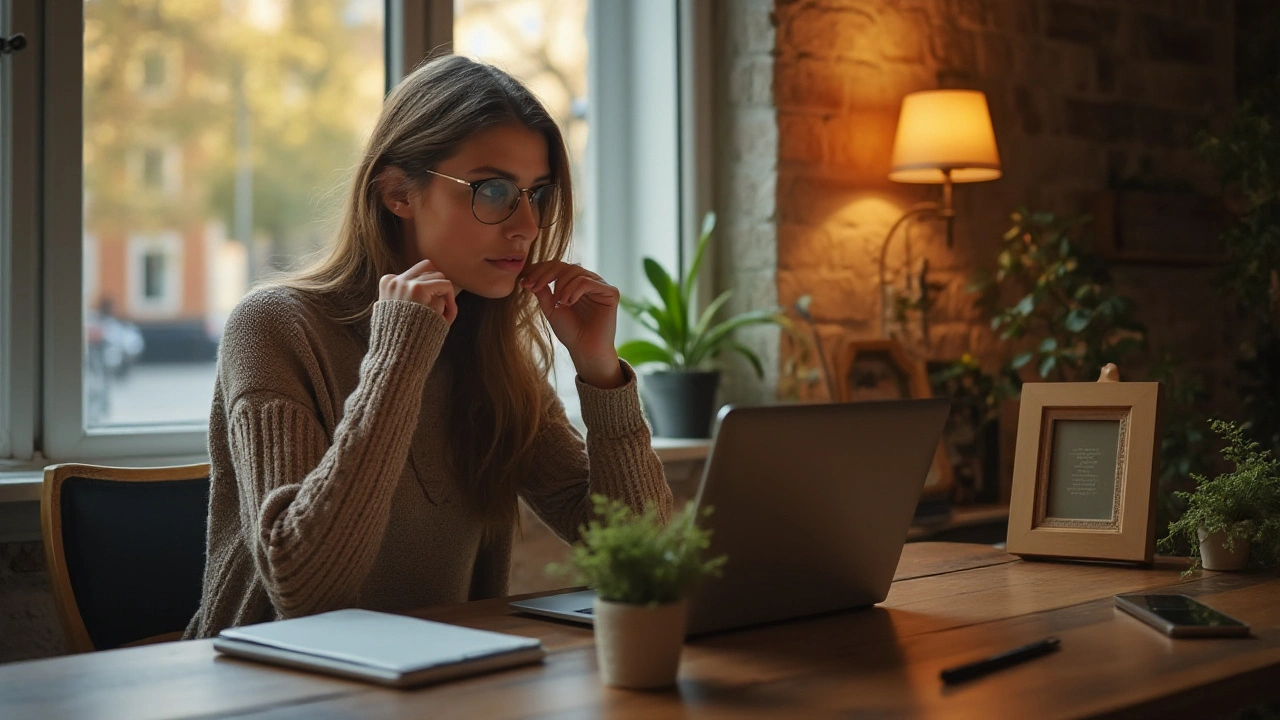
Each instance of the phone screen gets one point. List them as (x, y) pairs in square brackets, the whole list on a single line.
[(1182, 610)]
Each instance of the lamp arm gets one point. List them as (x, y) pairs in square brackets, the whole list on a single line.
[(917, 209)]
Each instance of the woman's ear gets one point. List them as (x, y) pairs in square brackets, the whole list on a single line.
[(393, 188)]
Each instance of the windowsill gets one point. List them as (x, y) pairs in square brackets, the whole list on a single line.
[(22, 482)]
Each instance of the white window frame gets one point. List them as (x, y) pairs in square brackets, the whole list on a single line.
[(643, 97), (19, 227)]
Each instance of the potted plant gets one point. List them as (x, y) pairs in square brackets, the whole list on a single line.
[(680, 397), (1233, 519), (642, 571)]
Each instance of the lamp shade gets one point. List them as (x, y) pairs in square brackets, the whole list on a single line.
[(941, 130)]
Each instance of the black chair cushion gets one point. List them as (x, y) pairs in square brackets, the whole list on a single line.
[(135, 554)]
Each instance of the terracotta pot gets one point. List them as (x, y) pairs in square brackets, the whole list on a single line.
[(638, 646), (1215, 556)]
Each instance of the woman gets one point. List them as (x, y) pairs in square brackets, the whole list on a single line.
[(376, 417)]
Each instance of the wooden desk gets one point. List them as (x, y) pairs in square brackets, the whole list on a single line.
[(949, 603)]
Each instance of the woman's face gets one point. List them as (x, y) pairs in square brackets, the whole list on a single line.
[(439, 225)]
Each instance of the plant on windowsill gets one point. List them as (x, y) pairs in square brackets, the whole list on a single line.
[(1233, 519), (642, 571), (680, 397)]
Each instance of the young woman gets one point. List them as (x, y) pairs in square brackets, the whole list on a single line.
[(376, 417)]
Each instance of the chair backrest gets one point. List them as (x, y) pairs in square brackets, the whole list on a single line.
[(125, 549)]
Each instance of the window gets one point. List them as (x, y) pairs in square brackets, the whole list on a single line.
[(212, 162)]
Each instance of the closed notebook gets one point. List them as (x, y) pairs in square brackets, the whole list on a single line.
[(383, 648)]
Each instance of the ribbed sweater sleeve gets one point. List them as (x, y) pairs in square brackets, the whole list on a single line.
[(315, 510), (617, 459)]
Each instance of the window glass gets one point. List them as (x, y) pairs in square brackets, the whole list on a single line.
[(216, 137)]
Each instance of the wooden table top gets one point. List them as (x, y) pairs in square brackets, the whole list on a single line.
[(950, 603)]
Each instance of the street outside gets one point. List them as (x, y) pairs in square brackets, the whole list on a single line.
[(152, 393)]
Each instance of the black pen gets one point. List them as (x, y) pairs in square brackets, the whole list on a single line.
[(978, 668)]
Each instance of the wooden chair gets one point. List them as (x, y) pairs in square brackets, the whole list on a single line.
[(125, 549)]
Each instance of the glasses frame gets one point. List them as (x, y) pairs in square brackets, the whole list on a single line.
[(527, 193)]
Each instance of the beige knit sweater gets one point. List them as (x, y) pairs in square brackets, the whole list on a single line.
[(329, 488)]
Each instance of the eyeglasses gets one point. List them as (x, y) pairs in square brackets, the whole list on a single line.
[(494, 200)]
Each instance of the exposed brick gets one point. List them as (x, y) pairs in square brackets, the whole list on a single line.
[(1028, 110), (1165, 40), (862, 143), (1105, 64), (996, 55), (902, 35), (1103, 122), (801, 246), (955, 50), (822, 32), (973, 13), (801, 138), (1080, 23), (810, 83), (837, 296)]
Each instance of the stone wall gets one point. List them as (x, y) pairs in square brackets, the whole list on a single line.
[(746, 152), (1084, 94)]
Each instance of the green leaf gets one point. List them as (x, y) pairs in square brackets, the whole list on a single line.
[(708, 225), (1078, 319), (1021, 359), (639, 352), (675, 319), (710, 343), (747, 353), (708, 315), (1048, 345), (1026, 305), (1047, 365)]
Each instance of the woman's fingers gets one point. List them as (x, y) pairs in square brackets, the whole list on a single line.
[(584, 285), (541, 275)]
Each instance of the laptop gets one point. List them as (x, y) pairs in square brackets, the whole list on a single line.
[(812, 505)]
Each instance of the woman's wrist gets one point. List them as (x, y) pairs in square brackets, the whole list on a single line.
[(604, 373)]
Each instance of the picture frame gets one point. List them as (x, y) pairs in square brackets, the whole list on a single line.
[(882, 370), (1084, 474)]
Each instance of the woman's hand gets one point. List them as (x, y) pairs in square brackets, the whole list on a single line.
[(422, 284), (583, 312)]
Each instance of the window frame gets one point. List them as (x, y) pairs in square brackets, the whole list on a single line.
[(19, 227)]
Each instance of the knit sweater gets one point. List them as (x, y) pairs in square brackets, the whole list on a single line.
[(329, 486)]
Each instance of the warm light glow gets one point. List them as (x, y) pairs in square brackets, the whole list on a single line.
[(945, 130)]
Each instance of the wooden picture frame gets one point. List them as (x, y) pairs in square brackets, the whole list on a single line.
[(1084, 474), (882, 370)]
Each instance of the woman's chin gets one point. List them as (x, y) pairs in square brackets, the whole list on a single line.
[(493, 291)]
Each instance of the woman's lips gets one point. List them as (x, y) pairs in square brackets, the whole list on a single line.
[(511, 266)]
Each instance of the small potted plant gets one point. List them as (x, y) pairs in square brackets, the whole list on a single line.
[(680, 397), (642, 571), (1233, 519)]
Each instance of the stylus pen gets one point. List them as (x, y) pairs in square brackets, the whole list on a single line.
[(978, 668)]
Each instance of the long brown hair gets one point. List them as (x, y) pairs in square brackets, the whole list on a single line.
[(499, 350)]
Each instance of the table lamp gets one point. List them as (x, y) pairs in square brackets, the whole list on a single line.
[(943, 137)]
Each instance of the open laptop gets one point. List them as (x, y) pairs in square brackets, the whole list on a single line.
[(812, 505)]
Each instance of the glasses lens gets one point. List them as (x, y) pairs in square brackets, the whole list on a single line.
[(546, 205), (495, 200)]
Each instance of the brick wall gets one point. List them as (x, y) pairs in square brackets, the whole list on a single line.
[(1083, 93)]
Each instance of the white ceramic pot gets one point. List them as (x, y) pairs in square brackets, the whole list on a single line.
[(638, 646), (1215, 556)]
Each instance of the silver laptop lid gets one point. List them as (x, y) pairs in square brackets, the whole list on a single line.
[(812, 505)]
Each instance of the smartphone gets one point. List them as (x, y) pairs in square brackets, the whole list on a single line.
[(1180, 616)]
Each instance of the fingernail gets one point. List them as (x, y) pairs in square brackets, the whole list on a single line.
[(559, 303)]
